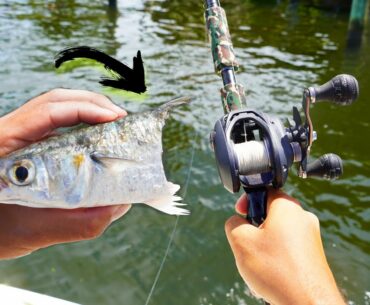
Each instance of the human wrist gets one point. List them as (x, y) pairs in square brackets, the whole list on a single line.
[(320, 289)]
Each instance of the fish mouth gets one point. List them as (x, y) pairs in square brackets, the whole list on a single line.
[(14, 201), (18, 201)]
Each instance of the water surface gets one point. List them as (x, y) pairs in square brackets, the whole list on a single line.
[(282, 48)]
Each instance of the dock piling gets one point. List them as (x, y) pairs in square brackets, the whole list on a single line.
[(357, 21), (113, 3)]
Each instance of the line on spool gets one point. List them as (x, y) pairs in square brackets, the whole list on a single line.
[(252, 158)]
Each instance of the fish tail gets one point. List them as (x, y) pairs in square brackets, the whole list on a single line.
[(167, 202)]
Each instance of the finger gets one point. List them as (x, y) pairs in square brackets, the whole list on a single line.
[(239, 231), (84, 223), (64, 95), (37, 228), (71, 113), (120, 211), (20, 129), (241, 206), (274, 196)]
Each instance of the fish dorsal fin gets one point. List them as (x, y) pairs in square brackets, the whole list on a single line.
[(111, 161), (163, 110)]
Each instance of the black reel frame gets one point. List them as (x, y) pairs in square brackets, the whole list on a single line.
[(283, 145), (241, 126)]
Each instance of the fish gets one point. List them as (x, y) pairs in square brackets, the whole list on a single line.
[(107, 164)]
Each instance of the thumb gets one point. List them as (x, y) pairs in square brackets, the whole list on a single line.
[(241, 206)]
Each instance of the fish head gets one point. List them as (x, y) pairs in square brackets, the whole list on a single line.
[(23, 180)]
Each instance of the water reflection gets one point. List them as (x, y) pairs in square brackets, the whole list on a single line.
[(63, 20)]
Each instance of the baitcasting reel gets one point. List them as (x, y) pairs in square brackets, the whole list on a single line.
[(254, 149)]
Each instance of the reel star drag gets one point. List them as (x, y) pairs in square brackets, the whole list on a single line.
[(253, 149)]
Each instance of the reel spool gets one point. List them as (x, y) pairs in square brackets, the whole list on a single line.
[(254, 149), (251, 150)]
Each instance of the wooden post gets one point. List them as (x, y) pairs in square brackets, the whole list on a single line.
[(113, 3), (357, 19)]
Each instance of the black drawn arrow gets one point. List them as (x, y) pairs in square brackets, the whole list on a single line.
[(123, 78)]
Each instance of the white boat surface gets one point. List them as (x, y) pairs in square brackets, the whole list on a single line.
[(16, 296)]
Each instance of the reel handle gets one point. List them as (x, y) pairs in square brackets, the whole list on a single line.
[(343, 89), (328, 166), (257, 205)]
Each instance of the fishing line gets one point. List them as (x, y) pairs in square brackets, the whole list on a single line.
[(173, 230), (255, 161)]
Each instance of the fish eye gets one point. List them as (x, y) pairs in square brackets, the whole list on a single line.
[(22, 172)]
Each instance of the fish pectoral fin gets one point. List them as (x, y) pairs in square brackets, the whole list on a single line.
[(111, 161), (167, 203)]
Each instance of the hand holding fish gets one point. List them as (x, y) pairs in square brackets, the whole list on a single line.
[(283, 260), (39, 117), (24, 229)]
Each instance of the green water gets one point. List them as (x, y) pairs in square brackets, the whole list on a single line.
[(282, 48)]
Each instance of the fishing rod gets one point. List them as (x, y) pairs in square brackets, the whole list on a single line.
[(253, 149)]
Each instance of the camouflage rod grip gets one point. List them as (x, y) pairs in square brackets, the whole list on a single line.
[(219, 36), (225, 63), (233, 97)]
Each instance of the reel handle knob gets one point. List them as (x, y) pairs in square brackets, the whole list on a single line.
[(343, 89), (328, 166)]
